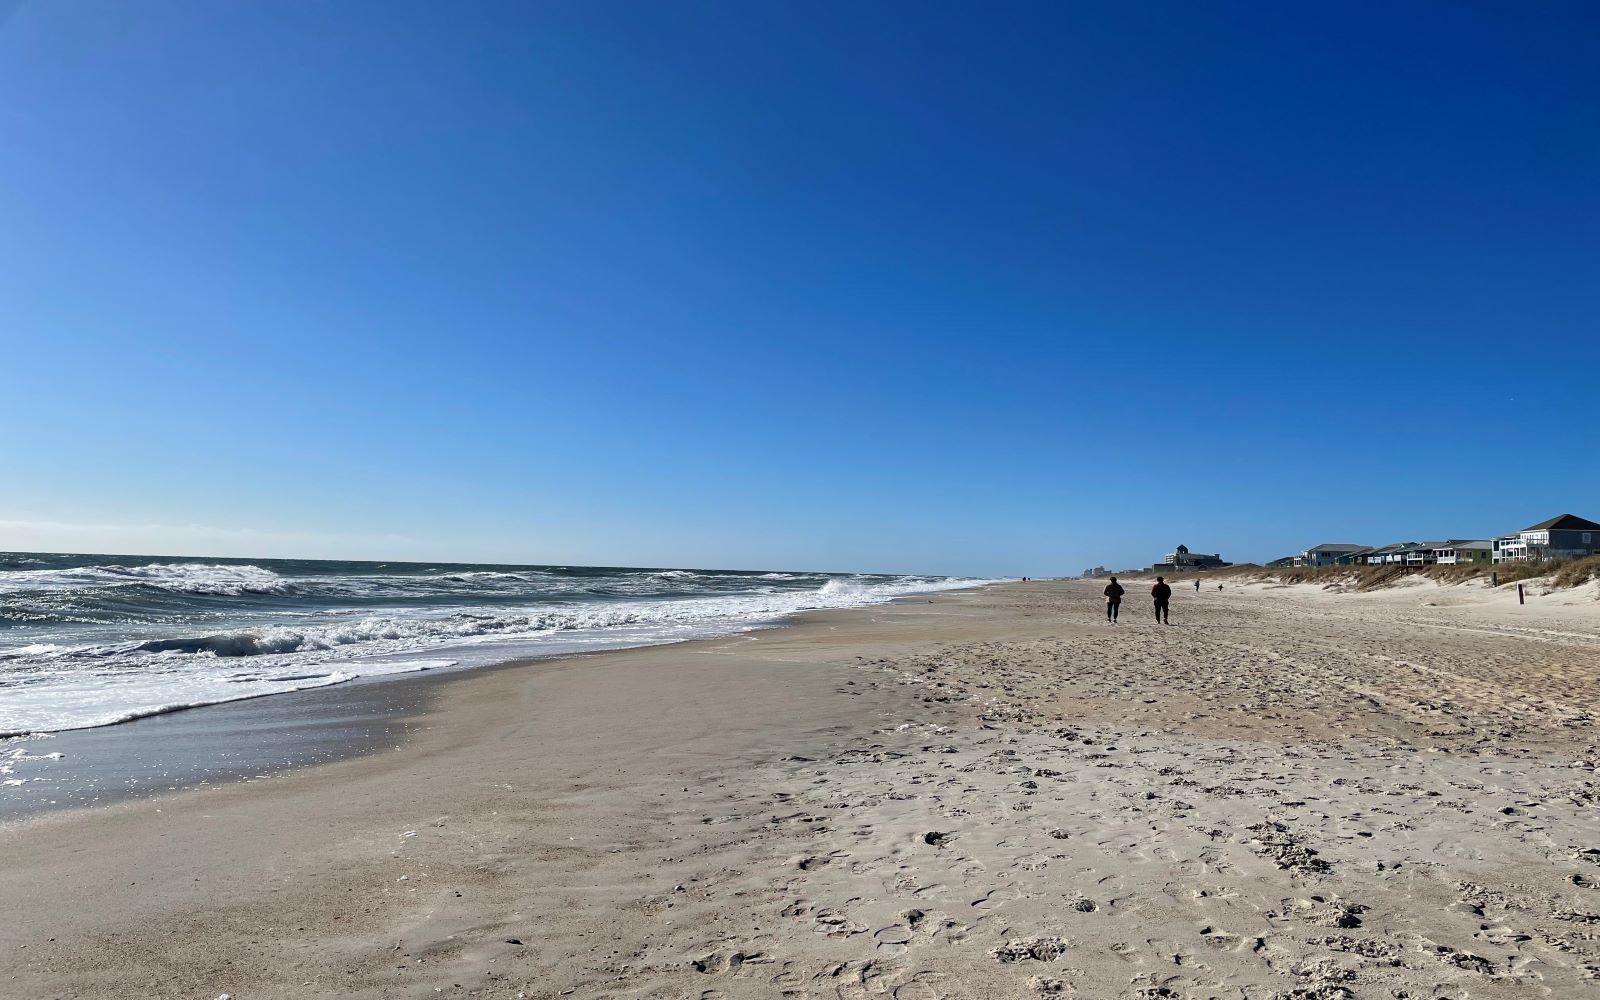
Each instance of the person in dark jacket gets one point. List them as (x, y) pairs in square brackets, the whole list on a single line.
[(1162, 593), (1114, 594)]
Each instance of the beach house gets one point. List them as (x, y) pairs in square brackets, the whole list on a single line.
[(1566, 536), (1329, 554), (1420, 553), (1459, 552), (1355, 558), (1383, 555)]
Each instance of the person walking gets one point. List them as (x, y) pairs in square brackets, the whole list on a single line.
[(1114, 594), (1197, 585), (1162, 594)]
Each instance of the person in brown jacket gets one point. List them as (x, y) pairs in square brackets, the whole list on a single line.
[(1114, 594), (1162, 593)]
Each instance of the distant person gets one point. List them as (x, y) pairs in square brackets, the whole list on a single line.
[(1219, 586), (1162, 594), (1114, 594), (1197, 585)]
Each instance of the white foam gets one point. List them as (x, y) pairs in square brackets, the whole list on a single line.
[(222, 580), (50, 686), (85, 700)]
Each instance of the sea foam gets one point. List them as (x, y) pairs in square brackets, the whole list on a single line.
[(98, 642)]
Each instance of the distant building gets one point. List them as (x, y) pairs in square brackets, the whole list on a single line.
[(1327, 554), (1283, 562), (1459, 552), (1420, 554), (1386, 555), (1096, 571), (1567, 536), (1183, 559)]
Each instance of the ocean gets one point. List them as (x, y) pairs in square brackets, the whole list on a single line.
[(94, 640)]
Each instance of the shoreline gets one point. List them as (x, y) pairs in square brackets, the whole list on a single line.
[(510, 740), (995, 794), (246, 738)]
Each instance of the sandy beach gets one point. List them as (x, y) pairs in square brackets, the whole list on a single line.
[(1289, 793)]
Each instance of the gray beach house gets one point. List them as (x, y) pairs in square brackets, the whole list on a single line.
[(1566, 536)]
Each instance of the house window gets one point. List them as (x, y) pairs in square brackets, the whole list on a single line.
[(1586, 535)]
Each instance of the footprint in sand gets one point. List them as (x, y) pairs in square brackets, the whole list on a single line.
[(998, 897), (1500, 935), (711, 964), (717, 963), (1127, 952), (893, 940), (950, 931), (831, 923), (798, 908), (1034, 949), (789, 977), (1525, 968), (1464, 960), (856, 982), (821, 861), (1220, 940), (920, 988)]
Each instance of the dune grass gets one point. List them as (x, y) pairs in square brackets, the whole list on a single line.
[(1560, 574), (1576, 573)]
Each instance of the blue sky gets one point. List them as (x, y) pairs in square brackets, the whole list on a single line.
[(921, 287)]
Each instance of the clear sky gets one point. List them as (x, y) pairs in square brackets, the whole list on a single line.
[(967, 288)]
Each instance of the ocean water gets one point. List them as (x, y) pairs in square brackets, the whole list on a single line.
[(93, 640)]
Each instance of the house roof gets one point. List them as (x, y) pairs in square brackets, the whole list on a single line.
[(1419, 546), (1565, 522), (1337, 547), (1473, 545)]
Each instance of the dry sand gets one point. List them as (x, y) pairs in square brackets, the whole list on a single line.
[(1287, 794)]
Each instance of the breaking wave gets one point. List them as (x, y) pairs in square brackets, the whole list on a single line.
[(202, 579), (88, 641)]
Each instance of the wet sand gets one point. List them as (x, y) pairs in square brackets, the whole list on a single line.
[(1287, 794), (213, 744)]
